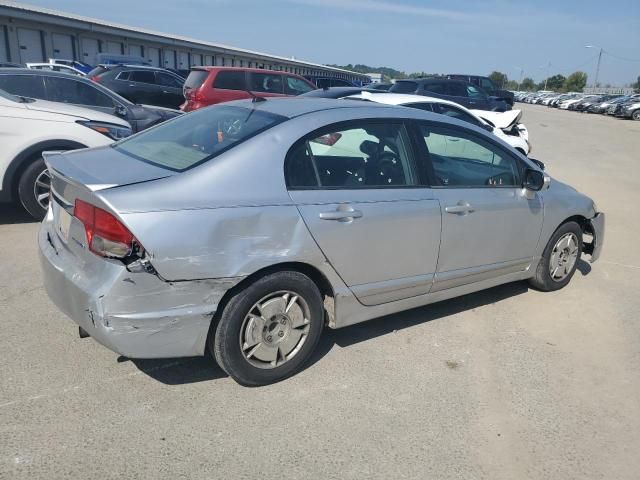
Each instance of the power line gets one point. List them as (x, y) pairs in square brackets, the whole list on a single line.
[(622, 58)]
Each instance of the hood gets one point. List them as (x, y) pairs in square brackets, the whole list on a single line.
[(500, 119), (103, 167), (73, 111)]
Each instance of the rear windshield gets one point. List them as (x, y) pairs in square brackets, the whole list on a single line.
[(194, 138), (196, 78), (404, 87)]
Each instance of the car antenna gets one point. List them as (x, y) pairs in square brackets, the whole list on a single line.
[(255, 98)]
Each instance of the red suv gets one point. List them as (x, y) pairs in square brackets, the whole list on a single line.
[(210, 85)]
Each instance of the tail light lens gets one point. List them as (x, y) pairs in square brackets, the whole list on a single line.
[(106, 235), (95, 78)]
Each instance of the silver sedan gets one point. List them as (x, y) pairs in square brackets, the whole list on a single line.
[(245, 228)]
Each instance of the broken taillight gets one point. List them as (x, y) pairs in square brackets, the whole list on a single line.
[(106, 235)]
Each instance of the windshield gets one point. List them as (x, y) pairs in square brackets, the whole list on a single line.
[(194, 138)]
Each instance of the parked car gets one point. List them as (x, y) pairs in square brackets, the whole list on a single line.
[(83, 67), (504, 125), (141, 84), (487, 85), (337, 92), (286, 215), (601, 107), (463, 93), (30, 127), (326, 82), (53, 67), (379, 86), (79, 91), (631, 109), (616, 107), (210, 85)]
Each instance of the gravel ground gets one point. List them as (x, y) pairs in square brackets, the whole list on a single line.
[(503, 384)]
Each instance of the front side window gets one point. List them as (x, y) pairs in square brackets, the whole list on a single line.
[(192, 139), (474, 92), (72, 91), (142, 76), (486, 84), (362, 155), (233, 80), (296, 86), (265, 82), (23, 85), (435, 88), (459, 159), (456, 89)]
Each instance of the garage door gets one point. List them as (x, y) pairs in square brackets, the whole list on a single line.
[(153, 56), (208, 59), (4, 48), (114, 47), (169, 59), (183, 61), (90, 48), (135, 50), (30, 44), (196, 59), (62, 46)]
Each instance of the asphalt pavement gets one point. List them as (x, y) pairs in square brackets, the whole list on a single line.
[(508, 383)]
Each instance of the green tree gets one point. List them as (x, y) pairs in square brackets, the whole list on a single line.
[(511, 85), (556, 82), (528, 84), (575, 82), (498, 78)]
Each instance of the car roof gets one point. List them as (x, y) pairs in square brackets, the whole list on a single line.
[(402, 98), (296, 106), (210, 68), (37, 71)]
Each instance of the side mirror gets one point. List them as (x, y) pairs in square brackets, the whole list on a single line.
[(540, 164), (535, 180), (120, 110)]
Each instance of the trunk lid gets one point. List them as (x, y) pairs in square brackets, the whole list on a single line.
[(99, 168)]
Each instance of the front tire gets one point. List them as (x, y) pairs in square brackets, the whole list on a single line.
[(559, 259), (636, 115), (269, 330), (33, 189)]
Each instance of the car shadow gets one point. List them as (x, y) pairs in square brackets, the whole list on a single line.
[(202, 369), (11, 214)]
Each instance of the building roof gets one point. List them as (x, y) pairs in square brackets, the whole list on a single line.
[(27, 12)]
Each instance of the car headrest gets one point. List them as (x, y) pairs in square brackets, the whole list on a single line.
[(369, 148)]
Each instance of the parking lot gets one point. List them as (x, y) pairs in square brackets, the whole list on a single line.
[(502, 384)]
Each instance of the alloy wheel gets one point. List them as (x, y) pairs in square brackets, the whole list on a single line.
[(275, 329), (563, 257), (41, 188)]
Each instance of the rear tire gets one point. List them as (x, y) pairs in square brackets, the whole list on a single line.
[(636, 115), (559, 259), (33, 189), (269, 330)]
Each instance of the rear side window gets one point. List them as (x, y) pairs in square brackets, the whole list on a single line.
[(404, 87), (435, 88), (296, 86), (23, 85), (142, 76), (456, 89), (265, 82), (234, 80), (79, 93), (474, 92), (196, 78), (192, 139), (361, 155)]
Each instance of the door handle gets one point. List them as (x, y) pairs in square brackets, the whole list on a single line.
[(164, 91), (460, 209), (341, 214)]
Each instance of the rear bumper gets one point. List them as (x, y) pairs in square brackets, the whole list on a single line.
[(597, 230), (134, 314)]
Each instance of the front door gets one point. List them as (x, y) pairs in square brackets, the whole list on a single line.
[(358, 192), (490, 224)]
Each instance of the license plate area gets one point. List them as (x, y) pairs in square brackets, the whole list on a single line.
[(61, 221)]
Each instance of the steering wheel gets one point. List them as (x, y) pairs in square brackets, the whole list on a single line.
[(233, 128)]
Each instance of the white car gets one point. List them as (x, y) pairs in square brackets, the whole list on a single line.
[(502, 124), (29, 127), (56, 67)]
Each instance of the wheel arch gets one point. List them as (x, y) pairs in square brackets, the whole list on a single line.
[(24, 159), (319, 278)]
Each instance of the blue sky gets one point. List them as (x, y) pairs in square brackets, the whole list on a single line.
[(440, 36)]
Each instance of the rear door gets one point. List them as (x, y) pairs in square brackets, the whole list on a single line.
[(141, 86), (228, 85), (170, 90), (476, 98), (357, 187)]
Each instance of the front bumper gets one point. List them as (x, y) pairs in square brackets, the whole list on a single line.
[(596, 227), (134, 314)]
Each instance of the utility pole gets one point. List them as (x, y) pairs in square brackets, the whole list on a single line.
[(595, 83), (521, 74)]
